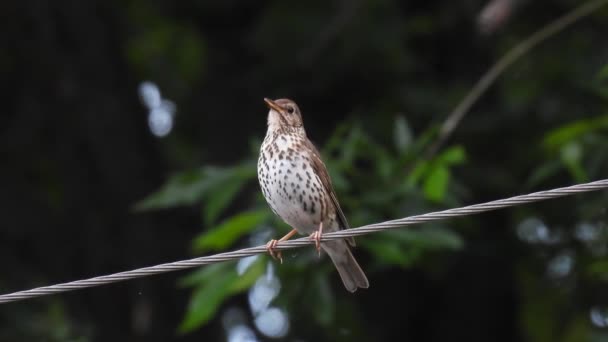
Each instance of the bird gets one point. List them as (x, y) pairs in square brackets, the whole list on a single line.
[(298, 189)]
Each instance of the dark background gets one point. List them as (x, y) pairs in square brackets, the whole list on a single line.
[(77, 154)]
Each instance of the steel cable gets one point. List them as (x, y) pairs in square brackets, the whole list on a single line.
[(376, 227)]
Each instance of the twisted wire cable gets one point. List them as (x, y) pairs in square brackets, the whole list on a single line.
[(376, 227)]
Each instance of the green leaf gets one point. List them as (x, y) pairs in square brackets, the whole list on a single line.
[(225, 187), (436, 183), (571, 155), (213, 286), (402, 134), (206, 299), (569, 132), (247, 279), (204, 273), (184, 188), (428, 238), (571, 152), (391, 252), (419, 170), (425, 139), (229, 231), (216, 186), (452, 156), (404, 247)]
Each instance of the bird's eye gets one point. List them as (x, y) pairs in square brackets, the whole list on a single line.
[(290, 110)]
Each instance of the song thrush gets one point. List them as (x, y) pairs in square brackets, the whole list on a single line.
[(296, 185)]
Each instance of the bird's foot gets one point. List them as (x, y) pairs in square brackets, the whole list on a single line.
[(271, 245), (316, 237), (270, 248)]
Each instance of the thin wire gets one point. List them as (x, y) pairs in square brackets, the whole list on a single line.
[(185, 264)]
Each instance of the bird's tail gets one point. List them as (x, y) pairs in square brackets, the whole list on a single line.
[(351, 273)]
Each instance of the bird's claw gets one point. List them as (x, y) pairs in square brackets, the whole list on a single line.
[(270, 248), (316, 237), (272, 244)]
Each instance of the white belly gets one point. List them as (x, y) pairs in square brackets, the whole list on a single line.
[(291, 189)]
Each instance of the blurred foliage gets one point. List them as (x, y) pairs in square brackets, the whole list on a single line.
[(212, 285), (565, 148), (161, 43), (217, 186), (374, 79), (51, 324), (575, 255), (373, 183), (377, 181), (227, 232)]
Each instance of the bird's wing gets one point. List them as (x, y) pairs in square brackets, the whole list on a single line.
[(321, 170)]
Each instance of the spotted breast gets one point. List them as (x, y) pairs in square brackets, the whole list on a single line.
[(298, 189)]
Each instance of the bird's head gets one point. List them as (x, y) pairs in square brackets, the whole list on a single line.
[(284, 114)]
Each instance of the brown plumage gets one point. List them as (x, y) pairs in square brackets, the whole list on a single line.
[(297, 186)]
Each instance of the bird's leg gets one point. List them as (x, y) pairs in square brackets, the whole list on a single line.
[(316, 236), (272, 244)]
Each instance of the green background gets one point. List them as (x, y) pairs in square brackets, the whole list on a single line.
[(87, 189)]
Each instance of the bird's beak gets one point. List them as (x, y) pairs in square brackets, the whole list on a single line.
[(273, 105)]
